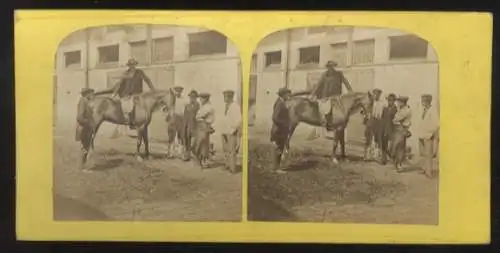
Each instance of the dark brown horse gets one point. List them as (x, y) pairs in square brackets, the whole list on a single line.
[(107, 109), (302, 109)]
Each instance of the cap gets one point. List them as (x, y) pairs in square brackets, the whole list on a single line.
[(282, 91), (86, 91), (228, 92), (178, 87), (379, 91), (132, 62), (427, 96), (331, 63), (193, 93)]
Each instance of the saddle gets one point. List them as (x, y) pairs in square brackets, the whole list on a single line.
[(127, 104), (332, 110)]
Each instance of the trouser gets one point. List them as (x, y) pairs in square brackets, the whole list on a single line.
[(85, 143), (384, 146), (230, 149), (426, 150), (175, 130), (399, 145), (187, 141), (277, 152), (369, 138)]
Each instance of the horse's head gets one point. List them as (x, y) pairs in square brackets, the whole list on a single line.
[(362, 101), (165, 99)]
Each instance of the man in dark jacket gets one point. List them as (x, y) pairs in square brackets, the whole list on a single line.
[(386, 126), (130, 84), (280, 128), (84, 124), (190, 111)]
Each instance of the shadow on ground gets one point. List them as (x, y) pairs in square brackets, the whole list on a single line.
[(66, 208), (311, 179)]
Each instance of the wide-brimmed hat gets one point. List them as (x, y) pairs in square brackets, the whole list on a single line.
[(284, 90), (402, 98), (204, 95), (193, 93), (132, 62), (391, 96), (85, 91), (331, 64)]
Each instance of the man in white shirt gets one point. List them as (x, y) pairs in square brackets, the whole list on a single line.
[(230, 130), (427, 128), (176, 121)]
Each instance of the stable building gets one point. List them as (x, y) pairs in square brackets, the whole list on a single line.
[(193, 57), (388, 59)]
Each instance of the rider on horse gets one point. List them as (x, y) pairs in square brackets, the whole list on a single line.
[(330, 84), (130, 84)]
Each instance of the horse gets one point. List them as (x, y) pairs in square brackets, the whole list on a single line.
[(106, 109), (303, 110)]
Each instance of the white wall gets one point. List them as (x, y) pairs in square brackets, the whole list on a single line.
[(404, 77), (212, 73)]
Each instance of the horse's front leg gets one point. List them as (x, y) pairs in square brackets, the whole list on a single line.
[(146, 142), (140, 136), (286, 149)]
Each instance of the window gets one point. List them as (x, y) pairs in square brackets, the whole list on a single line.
[(407, 47), (109, 54), (318, 29), (273, 58), (207, 43), (72, 59), (309, 55), (253, 67), (163, 49), (139, 51), (339, 53), (363, 51)]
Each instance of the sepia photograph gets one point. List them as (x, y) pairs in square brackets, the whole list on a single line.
[(344, 127), (147, 125)]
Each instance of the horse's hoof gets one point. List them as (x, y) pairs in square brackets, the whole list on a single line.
[(335, 161)]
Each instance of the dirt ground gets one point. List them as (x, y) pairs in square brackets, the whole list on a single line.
[(120, 188), (315, 190)]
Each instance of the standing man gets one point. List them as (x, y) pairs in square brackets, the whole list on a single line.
[(280, 128), (231, 130), (402, 123), (372, 124), (84, 127), (190, 111), (130, 85), (386, 126), (428, 127), (204, 119), (176, 121)]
